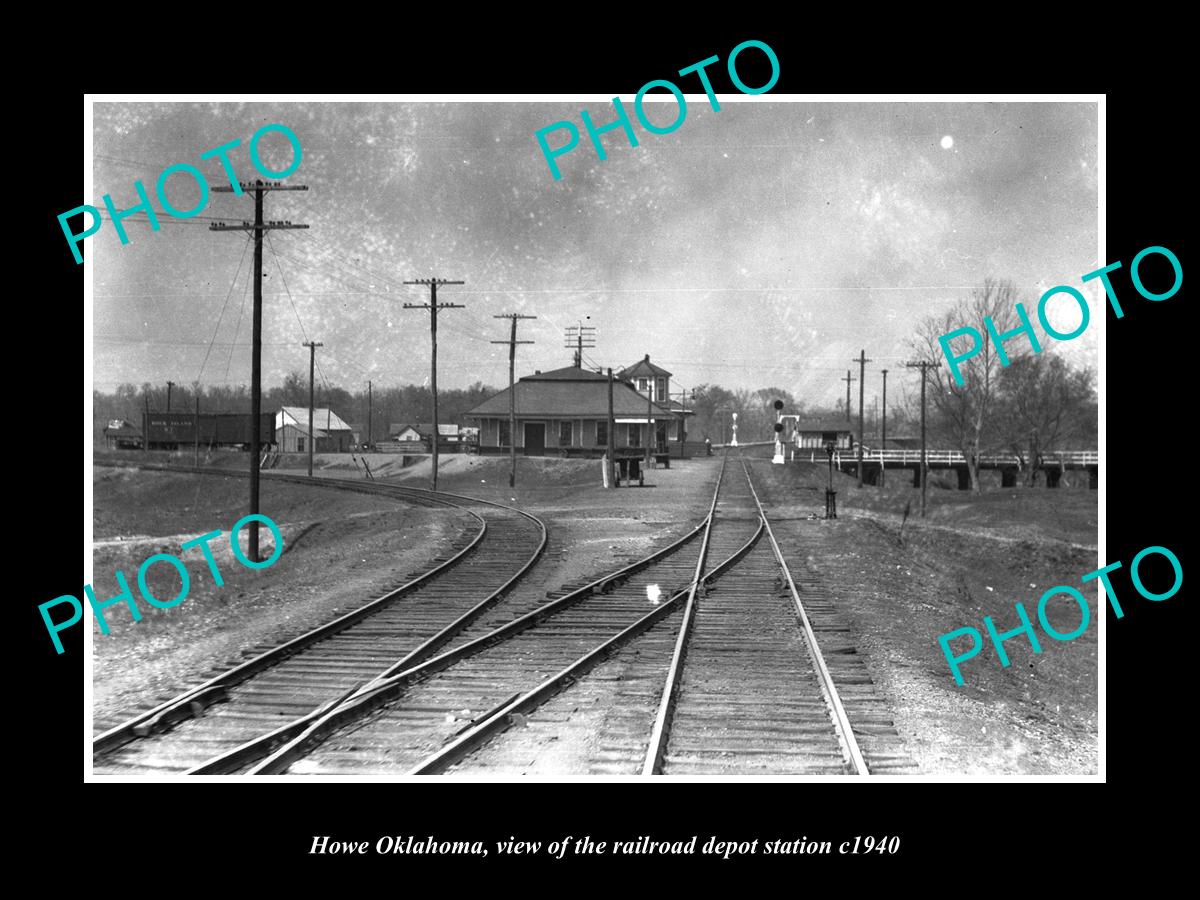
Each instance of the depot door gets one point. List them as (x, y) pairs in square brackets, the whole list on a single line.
[(535, 439)]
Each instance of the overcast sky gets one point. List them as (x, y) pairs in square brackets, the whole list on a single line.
[(763, 244)]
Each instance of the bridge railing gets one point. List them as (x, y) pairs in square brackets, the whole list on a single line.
[(954, 457)]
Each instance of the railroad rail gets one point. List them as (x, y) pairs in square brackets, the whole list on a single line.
[(432, 717), (397, 723), (726, 684), (751, 699), (240, 709)]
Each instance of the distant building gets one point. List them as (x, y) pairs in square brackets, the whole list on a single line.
[(403, 433), (814, 434), (449, 436), (448, 433), (565, 412), (122, 435), (330, 433)]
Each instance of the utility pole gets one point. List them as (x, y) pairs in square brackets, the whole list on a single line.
[(170, 384), (883, 437), (847, 379), (649, 427), (575, 337), (512, 392), (923, 366), (433, 306), (146, 425), (612, 436), (312, 364), (862, 377), (258, 227), (369, 435), (196, 445)]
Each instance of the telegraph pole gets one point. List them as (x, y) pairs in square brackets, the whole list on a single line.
[(258, 227), (512, 392), (612, 436), (923, 366), (369, 436), (146, 425), (862, 377), (847, 379), (649, 427), (170, 384), (575, 337), (312, 363), (196, 445), (433, 306), (883, 437)]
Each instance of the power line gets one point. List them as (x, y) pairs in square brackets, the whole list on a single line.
[(229, 294), (137, 217), (238, 330), (321, 372), (117, 340), (328, 261), (282, 277)]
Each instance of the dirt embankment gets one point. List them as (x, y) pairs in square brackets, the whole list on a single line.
[(973, 557), (342, 549)]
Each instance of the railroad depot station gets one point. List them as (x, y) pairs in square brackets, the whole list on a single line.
[(565, 412)]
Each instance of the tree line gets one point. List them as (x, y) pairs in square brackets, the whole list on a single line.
[(405, 405), (714, 407), (1035, 405)]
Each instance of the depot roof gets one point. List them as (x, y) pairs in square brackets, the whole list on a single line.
[(568, 393), (643, 368)]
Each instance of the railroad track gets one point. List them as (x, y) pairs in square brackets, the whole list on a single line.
[(429, 721), (394, 725), (240, 714), (723, 675), (748, 690), (733, 682)]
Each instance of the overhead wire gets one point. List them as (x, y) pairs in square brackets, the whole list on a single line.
[(283, 277), (232, 284), (237, 331)]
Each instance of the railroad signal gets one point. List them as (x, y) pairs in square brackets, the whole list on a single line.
[(830, 493), (777, 459)]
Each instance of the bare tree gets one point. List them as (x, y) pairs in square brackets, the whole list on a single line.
[(1042, 403), (964, 415)]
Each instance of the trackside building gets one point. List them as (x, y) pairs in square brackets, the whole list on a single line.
[(565, 413)]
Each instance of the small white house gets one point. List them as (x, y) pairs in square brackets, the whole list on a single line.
[(331, 434)]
